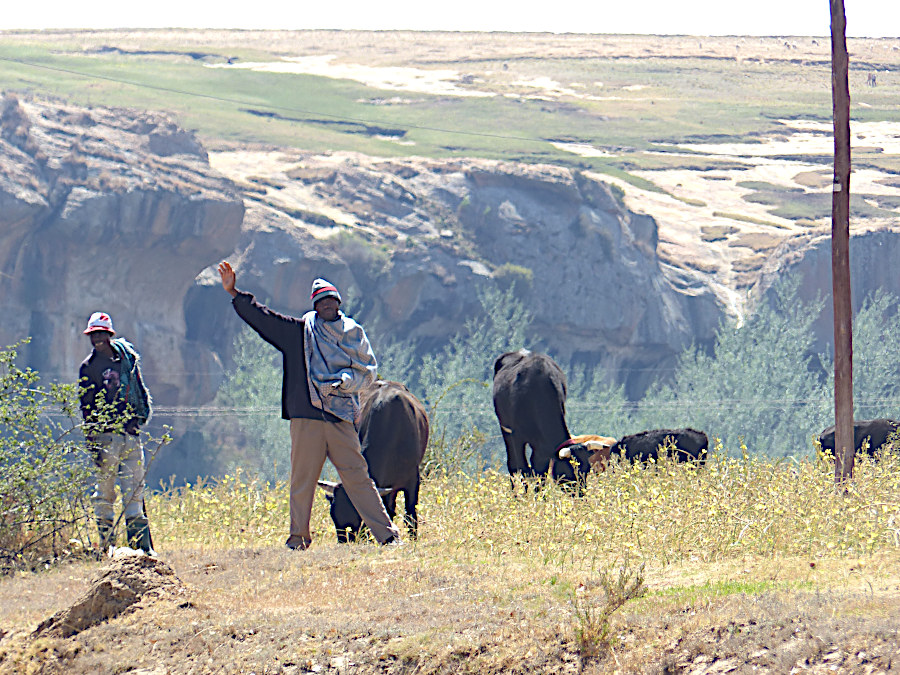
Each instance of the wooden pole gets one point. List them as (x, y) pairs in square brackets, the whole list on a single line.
[(844, 448)]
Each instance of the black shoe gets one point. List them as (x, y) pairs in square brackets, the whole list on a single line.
[(138, 532)]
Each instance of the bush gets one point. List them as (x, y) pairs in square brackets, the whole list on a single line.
[(876, 359), (593, 613), (594, 406), (43, 472), (517, 277), (456, 382)]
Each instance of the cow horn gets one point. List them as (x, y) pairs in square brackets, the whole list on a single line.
[(328, 486), (565, 453), (593, 446)]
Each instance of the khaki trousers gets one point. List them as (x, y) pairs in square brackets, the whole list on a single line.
[(120, 457), (311, 442)]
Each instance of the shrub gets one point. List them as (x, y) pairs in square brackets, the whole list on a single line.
[(517, 277), (876, 359), (43, 474), (593, 613), (456, 382), (595, 406)]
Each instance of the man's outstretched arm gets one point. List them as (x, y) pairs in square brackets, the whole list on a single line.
[(279, 330)]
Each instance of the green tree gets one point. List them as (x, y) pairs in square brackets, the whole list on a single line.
[(252, 434), (397, 360), (876, 359), (761, 383), (595, 406), (456, 382)]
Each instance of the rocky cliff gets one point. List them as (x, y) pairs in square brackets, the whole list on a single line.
[(112, 210), (412, 241), (123, 211), (873, 266)]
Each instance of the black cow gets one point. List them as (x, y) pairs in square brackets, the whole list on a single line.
[(530, 402), (393, 433), (875, 431), (690, 445)]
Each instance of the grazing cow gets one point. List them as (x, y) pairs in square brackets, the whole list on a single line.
[(393, 434), (579, 455), (876, 432), (530, 402), (690, 445)]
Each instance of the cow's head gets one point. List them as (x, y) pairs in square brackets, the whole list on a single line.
[(579, 455), (600, 448), (571, 464), (344, 515)]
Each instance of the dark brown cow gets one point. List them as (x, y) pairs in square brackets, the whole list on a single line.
[(685, 445), (393, 433), (530, 402), (874, 432)]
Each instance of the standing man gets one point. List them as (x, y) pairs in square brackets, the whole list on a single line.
[(114, 404), (327, 362)]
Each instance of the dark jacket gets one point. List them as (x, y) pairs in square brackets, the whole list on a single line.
[(102, 408), (285, 333)]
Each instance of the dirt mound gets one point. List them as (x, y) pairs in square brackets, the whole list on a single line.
[(118, 586)]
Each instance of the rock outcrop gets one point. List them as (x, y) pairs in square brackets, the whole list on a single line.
[(115, 210), (413, 240), (873, 266)]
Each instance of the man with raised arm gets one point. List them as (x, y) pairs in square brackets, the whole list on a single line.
[(327, 361)]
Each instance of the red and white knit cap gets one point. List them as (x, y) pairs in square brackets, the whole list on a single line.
[(321, 288), (99, 321)]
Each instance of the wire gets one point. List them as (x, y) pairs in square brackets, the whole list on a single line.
[(573, 407)]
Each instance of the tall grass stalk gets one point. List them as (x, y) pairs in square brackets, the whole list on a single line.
[(665, 513)]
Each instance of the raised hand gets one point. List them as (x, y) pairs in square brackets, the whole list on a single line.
[(228, 277)]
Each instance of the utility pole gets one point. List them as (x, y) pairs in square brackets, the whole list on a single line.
[(844, 448)]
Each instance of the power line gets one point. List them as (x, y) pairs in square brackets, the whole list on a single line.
[(575, 406)]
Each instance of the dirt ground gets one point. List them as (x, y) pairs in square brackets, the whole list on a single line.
[(360, 609)]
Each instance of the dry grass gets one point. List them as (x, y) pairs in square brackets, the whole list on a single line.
[(670, 513), (746, 563), (758, 241)]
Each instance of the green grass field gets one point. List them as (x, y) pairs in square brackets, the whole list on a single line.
[(678, 99), (634, 98), (630, 100)]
